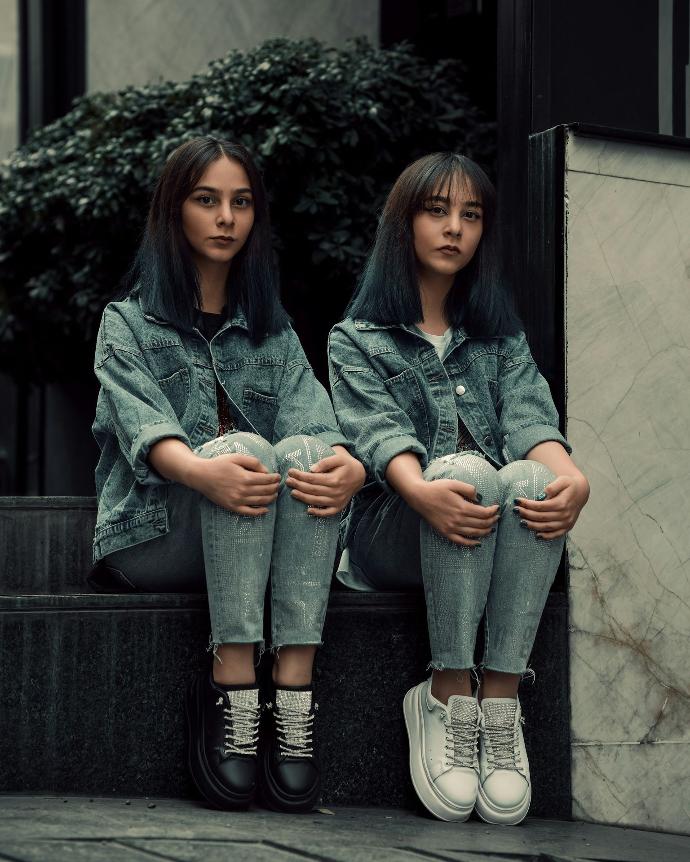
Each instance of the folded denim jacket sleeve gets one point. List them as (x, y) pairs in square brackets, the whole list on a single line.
[(140, 412), (366, 411), (526, 410), (304, 406)]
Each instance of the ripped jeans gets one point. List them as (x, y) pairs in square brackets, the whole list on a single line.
[(508, 578), (234, 555)]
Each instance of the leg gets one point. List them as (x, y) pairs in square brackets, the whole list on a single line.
[(304, 549), (223, 707), (524, 568), (237, 555), (302, 565)]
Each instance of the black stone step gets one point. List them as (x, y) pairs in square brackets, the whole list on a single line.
[(91, 689), (45, 544)]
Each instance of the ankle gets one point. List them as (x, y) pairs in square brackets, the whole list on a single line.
[(446, 683)]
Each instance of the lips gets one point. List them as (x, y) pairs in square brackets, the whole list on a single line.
[(223, 239), (449, 249)]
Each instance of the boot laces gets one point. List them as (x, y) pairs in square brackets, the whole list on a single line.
[(501, 736), (241, 725), (461, 734), (295, 724)]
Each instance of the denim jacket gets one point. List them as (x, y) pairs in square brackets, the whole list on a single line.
[(157, 381), (393, 394)]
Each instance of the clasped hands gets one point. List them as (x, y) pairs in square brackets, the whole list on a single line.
[(242, 484)]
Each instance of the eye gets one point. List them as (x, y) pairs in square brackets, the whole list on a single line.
[(206, 200), (472, 215), (242, 202), (435, 210)]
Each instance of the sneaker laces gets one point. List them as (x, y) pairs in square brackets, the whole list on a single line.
[(461, 733), (294, 723), (501, 736), (241, 715)]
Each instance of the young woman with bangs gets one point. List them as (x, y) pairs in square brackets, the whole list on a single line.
[(207, 409), (471, 488)]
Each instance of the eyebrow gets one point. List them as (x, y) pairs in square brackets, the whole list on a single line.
[(243, 191), (446, 200)]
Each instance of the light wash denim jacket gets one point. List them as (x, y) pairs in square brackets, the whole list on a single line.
[(393, 394), (157, 381)]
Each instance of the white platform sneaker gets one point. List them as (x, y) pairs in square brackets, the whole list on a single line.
[(505, 790), (443, 751)]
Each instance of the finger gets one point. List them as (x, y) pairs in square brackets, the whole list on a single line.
[(312, 499), (552, 504), (259, 499), (326, 464), (468, 524), (556, 534), (252, 478), (473, 532), (307, 487), (457, 539), (464, 489), (541, 527), (249, 510), (326, 512), (484, 513), (249, 462), (537, 517), (311, 478), (559, 484)]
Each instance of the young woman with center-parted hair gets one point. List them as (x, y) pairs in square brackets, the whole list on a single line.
[(207, 408), (471, 488)]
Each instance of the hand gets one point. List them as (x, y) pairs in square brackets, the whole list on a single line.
[(452, 509), (554, 516), (237, 482), (330, 485)]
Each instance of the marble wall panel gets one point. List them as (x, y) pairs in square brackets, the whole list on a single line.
[(9, 77), (132, 42), (628, 416)]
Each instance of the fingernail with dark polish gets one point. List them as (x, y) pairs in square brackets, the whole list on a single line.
[(523, 524), (479, 497), (493, 529), (516, 510), (516, 501), (540, 497)]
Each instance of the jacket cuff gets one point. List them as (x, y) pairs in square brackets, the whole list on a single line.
[(517, 444), (384, 453), (141, 446)]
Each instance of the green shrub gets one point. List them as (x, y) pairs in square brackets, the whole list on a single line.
[(330, 128)]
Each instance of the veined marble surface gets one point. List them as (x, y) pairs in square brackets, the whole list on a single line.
[(628, 416), (132, 42)]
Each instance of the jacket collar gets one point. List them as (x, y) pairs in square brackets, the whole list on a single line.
[(459, 333), (238, 319)]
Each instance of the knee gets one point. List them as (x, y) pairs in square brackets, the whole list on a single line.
[(241, 443), (471, 469), (300, 452), (526, 479)]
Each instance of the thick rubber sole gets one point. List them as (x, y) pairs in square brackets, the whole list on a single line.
[(423, 786), (501, 816), (203, 778), (274, 798)]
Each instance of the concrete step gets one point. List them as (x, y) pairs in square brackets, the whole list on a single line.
[(45, 544), (92, 688)]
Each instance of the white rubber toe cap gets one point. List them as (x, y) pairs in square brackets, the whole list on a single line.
[(505, 788), (458, 786)]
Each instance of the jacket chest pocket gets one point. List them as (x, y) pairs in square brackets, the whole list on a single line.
[(404, 388), (261, 410), (177, 389)]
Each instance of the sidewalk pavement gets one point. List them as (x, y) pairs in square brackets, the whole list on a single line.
[(57, 829)]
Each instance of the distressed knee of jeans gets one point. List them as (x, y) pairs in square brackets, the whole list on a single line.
[(301, 451), (523, 479), (468, 468)]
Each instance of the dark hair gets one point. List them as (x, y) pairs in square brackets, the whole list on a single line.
[(164, 274), (388, 290)]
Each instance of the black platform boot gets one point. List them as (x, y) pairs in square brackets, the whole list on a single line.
[(290, 772), (223, 732)]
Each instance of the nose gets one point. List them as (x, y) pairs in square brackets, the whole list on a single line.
[(226, 214), (454, 225)]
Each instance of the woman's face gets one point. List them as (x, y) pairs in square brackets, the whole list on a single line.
[(447, 230), (218, 215)]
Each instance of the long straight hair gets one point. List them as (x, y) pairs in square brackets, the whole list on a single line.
[(388, 290), (164, 274)]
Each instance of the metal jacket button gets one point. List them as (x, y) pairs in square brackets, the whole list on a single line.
[(460, 390)]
